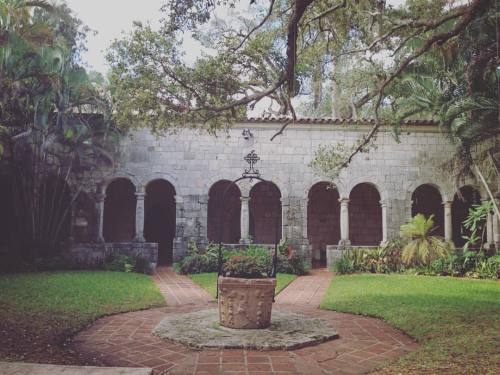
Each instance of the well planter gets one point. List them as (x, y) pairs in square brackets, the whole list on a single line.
[(245, 303)]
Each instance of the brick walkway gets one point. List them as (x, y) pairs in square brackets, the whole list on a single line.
[(306, 290), (179, 289), (126, 340)]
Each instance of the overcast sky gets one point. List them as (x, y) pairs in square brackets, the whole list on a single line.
[(111, 17)]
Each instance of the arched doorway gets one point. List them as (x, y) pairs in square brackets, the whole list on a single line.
[(226, 214), (159, 218), (323, 219), (462, 202), (427, 200), (119, 211), (265, 213), (365, 216)]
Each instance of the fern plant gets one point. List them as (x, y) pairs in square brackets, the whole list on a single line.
[(423, 248)]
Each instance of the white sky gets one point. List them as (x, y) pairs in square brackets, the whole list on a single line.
[(111, 17)]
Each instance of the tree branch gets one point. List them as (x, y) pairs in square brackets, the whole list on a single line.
[(269, 12)]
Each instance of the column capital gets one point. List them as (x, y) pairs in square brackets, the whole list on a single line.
[(383, 203), (100, 197), (245, 199), (344, 200), (447, 204), (178, 199), (140, 195)]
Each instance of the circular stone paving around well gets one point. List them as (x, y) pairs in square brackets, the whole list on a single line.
[(201, 329)]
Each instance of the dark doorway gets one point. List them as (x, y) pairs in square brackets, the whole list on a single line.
[(426, 200), (119, 211), (323, 225), (462, 202), (265, 213), (159, 220), (365, 216), (226, 213)]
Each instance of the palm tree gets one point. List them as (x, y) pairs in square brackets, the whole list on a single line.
[(422, 248)]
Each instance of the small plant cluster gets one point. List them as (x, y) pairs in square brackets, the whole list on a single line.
[(420, 253), (244, 266), (206, 260), (125, 263), (386, 259)]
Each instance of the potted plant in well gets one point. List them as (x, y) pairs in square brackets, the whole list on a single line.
[(245, 294)]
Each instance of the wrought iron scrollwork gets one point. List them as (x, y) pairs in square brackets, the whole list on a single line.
[(252, 158)]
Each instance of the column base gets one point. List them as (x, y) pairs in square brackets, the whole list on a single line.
[(139, 239), (245, 241), (344, 243)]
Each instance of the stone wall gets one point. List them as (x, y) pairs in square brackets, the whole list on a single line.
[(193, 161), (92, 254)]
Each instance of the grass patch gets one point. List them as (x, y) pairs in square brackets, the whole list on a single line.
[(40, 311), (208, 281), (456, 320)]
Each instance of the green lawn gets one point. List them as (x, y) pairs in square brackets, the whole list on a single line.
[(208, 281), (39, 311), (456, 320)]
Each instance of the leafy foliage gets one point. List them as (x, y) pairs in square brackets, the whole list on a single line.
[(54, 119), (206, 260), (422, 248), (243, 266)]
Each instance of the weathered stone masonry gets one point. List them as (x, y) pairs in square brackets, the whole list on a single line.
[(374, 194)]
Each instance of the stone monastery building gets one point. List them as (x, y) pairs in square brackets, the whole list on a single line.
[(168, 190)]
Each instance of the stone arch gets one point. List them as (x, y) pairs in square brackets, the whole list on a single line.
[(372, 181), (146, 179), (323, 219), (339, 186), (120, 175), (427, 200), (119, 210), (160, 217), (442, 189), (265, 212), (223, 216), (463, 200), (365, 215)]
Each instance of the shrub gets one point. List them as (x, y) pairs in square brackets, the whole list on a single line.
[(119, 263), (422, 248), (243, 266), (206, 260), (344, 265), (142, 265), (293, 264)]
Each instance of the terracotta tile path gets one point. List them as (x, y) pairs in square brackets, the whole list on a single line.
[(126, 340)]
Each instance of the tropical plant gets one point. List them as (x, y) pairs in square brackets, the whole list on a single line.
[(54, 122), (474, 223), (422, 248)]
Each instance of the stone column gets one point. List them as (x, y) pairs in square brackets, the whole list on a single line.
[(448, 226), (344, 222), (383, 205), (287, 219), (100, 197), (305, 205), (496, 231), (139, 217), (490, 241), (245, 221)]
